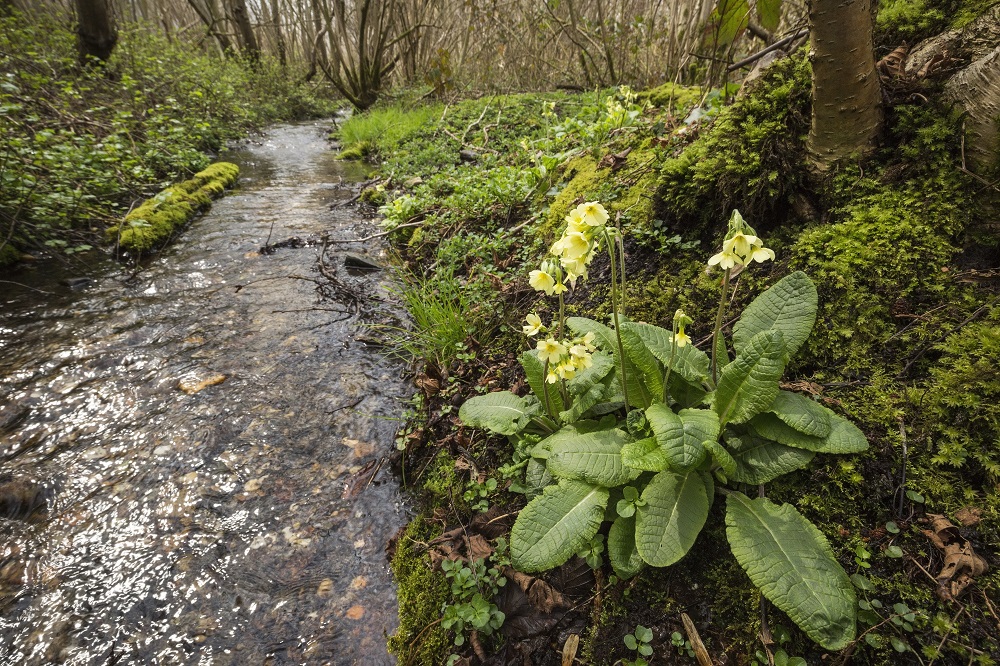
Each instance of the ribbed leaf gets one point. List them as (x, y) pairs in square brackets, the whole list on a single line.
[(582, 403), (760, 461), (709, 481), (769, 14), (685, 393), (536, 477), (622, 553), (643, 359), (675, 511), (721, 456), (721, 353), (794, 567), (567, 433), (689, 362), (534, 372), (805, 415), (602, 365), (556, 524), (789, 306), (680, 441), (646, 455), (501, 412), (595, 457), (769, 426), (700, 425), (749, 384), (844, 437), (638, 394)]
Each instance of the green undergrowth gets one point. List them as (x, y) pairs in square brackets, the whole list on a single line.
[(153, 222), (906, 344), (79, 145)]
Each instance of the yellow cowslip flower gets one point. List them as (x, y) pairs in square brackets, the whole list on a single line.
[(682, 339), (575, 268), (580, 357), (552, 377), (575, 221), (725, 260), (588, 341), (761, 254), (534, 326), (573, 245), (593, 213), (542, 281), (741, 244), (566, 370), (559, 288), (550, 350)]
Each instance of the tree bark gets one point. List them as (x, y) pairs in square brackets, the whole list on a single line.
[(96, 33), (247, 37), (847, 94)]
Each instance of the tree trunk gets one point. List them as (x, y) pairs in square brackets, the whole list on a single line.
[(96, 34), (207, 14), (847, 94), (975, 49), (247, 37)]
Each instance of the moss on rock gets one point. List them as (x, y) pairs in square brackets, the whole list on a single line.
[(672, 96), (423, 591), (9, 254), (156, 219)]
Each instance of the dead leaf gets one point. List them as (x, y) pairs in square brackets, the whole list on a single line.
[(570, 647), (542, 596), (478, 548), (969, 516), (355, 613), (961, 563)]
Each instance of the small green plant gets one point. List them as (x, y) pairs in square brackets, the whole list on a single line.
[(637, 406), (477, 493), (472, 587), (639, 642), (682, 644), (593, 551), (781, 636)]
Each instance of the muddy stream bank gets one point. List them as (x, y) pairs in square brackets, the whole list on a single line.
[(242, 523)]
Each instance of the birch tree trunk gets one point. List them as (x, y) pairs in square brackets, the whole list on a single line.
[(847, 94)]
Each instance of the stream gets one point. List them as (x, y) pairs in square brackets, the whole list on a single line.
[(243, 520)]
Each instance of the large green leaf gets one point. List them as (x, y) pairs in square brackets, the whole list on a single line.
[(605, 338), (595, 457), (556, 524), (727, 22), (789, 306), (501, 412), (622, 553), (568, 433), (805, 415), (583, 403), (643, 359), (769, 14), (646, 455), (675, 511), (534, 371), (685, 393), (602, 364), (749, 384), (689, 362), (721, 456), (794, 567), (681, 438), (760, 460), (536, 477), (844, 436)]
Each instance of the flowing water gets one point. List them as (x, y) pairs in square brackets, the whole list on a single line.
[(242, 522)]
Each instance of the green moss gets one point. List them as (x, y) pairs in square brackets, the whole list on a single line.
[(441, 483), (908, 19), (356, 151), (423, 591), (583, 180), (673, 96), (750, 158), (156, 219)]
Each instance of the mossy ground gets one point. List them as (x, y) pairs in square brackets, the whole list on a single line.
[(153, 222), (906, 344)]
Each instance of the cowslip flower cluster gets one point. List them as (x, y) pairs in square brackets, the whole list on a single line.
[(573, 252), (681, 320), (564, 357), (741, 246)]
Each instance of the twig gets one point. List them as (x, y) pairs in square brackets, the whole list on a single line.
[(763, 52), (373, 236), (700, 652), (901, 490)]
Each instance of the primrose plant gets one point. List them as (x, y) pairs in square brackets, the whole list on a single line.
[(632, 431)]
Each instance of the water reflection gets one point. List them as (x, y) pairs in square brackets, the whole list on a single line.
[(150, 524)]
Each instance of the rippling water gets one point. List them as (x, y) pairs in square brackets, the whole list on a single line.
[(143, 524)]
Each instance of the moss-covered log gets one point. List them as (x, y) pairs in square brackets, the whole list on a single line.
[(152, 223)]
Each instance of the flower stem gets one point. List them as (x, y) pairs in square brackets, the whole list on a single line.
[(670, 365), (718, 323), (614, 313), (545, 390)]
